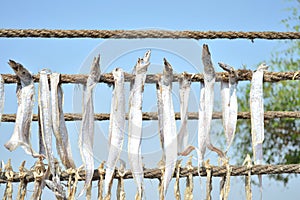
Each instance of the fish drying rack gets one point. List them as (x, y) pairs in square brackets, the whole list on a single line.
[(7, 176)]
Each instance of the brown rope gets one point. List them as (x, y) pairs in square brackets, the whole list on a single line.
[(133, 34), (217, 171), (244, 75), (153, 116)]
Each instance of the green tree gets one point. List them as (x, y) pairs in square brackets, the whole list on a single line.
[(282, 136)]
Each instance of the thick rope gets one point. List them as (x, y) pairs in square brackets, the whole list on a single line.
[(217, 171), (153, 116), (243, 75), (133, 34)]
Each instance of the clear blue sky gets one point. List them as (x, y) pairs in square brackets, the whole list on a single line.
[(70, 56)]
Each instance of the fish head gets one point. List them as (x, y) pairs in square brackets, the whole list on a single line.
[(167, 73), (263, 67), (95, 69), (24, 75)]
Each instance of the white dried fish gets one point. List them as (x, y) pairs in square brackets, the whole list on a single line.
[(2, 96), (135, 122), (229, 104), (201, 127), (206, 109), (59, 125), (257, 116), (160, 115), (25, 95), (45, 118), (169, 125), (184, 93), (116, 128), (86, 135)]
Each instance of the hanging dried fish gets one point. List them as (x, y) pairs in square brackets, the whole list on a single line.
[(45, 119), (229, 104), (59, 125), (135, 122), (208, 179), (9, 174), (206, 107), (248, 163), (101, 172), (39, 177), (169, 125), (23, 183), (2, 96), (55, 184), (161, 166), (184, 92), (176, 186), (188, 193), (25, 95), (86, 135), (160, 115), (116, 128), (120, 187), (257, 115)]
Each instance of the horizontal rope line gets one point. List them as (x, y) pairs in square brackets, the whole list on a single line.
[(133, 34), (153, 116), (244, 75), (217, 171)]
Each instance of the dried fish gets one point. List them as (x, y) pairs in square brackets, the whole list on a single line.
[(45, 118), (86, 135), (206, 107), (9, 174), (25, 95), (160, 115), (2, 96), (229, 104), (257, 115), (120, 187), (184, 92), (39, 177), (101, 172), (169, 125), (59, 125), (176, 186), (116, 128), (55, 184), (135, 121), (23, 183), (188, 193)]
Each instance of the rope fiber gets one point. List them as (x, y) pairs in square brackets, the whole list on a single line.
[(134, 34)]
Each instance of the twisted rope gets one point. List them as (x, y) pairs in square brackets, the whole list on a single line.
[(243, 75), (133, 34), (153, 116), (217, 171)]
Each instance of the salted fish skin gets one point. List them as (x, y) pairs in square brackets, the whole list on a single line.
[(2, 96), (209, 81), (160, 115), (201, 127), (170, 132), (46, 118), (184, 93), (59, 125), (229, 104), (257, 112), (25, 98), (135, 121), (257, 116), (116, 128), (86, 135)]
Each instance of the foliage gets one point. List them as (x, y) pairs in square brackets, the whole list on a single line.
[(282, 136)]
